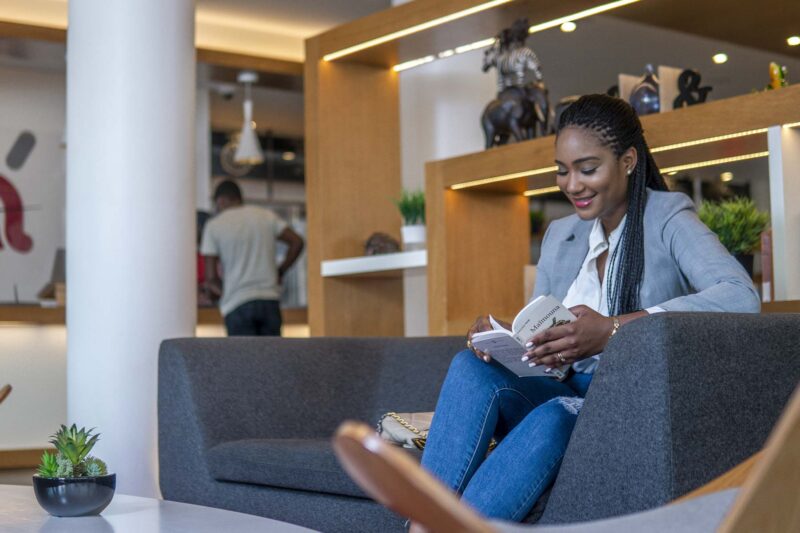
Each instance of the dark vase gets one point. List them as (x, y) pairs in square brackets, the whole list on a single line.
[(75, 496), (644, 98), (746, 261)]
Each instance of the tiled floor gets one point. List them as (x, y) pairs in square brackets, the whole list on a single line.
[(16, 477)]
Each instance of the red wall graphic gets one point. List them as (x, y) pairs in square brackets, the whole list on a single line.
[(14, 218)]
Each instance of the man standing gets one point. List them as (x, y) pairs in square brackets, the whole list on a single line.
[(242, 238)]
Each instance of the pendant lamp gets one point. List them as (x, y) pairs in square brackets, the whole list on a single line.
[(249, 150)]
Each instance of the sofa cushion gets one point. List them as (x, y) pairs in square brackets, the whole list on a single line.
[(302, 464)]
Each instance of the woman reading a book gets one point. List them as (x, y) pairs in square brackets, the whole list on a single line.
[(631, 249)]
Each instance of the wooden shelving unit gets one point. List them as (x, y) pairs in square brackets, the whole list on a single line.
[(463, 284), (478, 236), (43, 316), (353, 146)]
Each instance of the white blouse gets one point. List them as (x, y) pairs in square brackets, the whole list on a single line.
[(588, 290)]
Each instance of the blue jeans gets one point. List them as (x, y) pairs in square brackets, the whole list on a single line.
[(532, 418), (255, 318)]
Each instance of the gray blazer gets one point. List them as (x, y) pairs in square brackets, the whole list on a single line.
[(685, 266)]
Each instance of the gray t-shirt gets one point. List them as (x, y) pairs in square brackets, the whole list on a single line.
[(244, 238)]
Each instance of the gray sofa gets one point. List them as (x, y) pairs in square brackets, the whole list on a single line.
[(245, 423)]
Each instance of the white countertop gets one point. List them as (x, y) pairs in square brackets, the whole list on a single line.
[(20, 513), (374, 263)]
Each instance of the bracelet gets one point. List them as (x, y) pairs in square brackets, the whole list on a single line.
[(616, 326)]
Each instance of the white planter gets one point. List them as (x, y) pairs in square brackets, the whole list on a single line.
[(413, 237)]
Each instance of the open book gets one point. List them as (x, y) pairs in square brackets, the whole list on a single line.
[(508, 347)]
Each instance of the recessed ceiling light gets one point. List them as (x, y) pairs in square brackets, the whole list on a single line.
[(794, 40), (568, 27), (726, 176), (288, 156), (720, 58)]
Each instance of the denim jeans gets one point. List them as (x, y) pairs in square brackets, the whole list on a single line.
[(532, 418), (256, 317)]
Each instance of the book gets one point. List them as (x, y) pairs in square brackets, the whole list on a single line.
[(507, 347)]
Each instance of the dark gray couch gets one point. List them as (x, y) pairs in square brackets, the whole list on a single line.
[(245, 423)]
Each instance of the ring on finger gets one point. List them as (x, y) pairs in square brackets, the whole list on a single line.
[(560, 357)]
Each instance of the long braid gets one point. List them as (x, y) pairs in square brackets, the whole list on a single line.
[(616, 125)]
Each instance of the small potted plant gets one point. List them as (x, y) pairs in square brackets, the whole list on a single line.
[(738, 224), (71, 482), (412, 208)]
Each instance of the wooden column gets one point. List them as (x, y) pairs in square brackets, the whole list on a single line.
[(352, 173)]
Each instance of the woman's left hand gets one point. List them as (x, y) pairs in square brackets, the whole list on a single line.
[(577, 340)]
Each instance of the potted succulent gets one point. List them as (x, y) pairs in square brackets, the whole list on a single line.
[(738, 224), (71, 482), (411, 205)]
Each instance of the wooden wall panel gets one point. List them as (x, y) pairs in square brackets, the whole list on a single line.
[(478, 245), (352, 173)]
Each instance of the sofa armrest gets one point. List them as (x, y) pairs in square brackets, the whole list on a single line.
[(678, 399)]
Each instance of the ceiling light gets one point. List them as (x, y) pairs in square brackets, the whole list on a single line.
[(543, 190), (720, 58), (567, 20), (248, 152), (504, 177), (413, 63), (713, 162), (579, 15), (707, 140), (794, 40), (792, 125), (726, 176), (288, 156), (474, 46), (568, 27), (413, 29)]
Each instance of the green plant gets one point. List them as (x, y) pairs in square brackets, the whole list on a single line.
[(49, 466), (412, 207), (737, 223), (72, 458)]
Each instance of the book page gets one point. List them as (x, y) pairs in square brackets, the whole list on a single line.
[(504, 349), (543, 313)]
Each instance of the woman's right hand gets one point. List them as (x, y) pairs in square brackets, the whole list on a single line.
[(482, 323)]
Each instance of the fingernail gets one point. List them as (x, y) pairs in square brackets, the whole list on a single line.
[(528, 344), (531, 364), (486, 358), (525, 358), (547, 370)]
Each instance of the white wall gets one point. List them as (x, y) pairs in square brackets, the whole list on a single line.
[(33, 100)]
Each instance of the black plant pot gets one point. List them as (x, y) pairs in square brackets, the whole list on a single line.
[(746, 261), (74, 496)]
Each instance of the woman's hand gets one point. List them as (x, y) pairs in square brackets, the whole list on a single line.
[(482, 323), (577, 340)]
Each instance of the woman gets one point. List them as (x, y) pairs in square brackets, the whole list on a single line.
[(631, 249)]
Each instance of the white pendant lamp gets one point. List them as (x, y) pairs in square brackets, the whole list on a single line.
[(249, 150)]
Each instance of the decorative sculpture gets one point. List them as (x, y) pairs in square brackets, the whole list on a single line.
[(381, 243), (644, 97), (777, 76), (521, 109), (690, 91)]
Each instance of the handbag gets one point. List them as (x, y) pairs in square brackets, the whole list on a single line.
[(409, 430)]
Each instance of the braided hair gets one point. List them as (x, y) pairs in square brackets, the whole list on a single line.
[(616, 126)]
